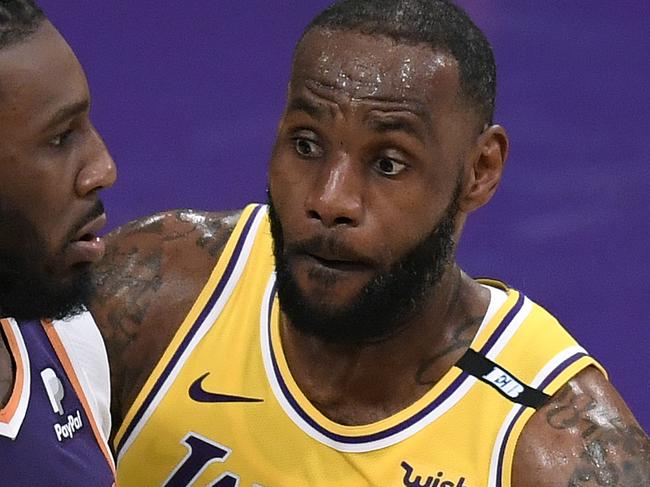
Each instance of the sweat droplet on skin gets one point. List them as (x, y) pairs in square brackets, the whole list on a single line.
[(204, 222), (406, 73)]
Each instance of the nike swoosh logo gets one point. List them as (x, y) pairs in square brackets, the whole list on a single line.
[(199, 394)]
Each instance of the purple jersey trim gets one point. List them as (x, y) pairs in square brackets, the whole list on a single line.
[(195, 327)]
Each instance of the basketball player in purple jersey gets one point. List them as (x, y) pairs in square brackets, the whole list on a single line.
[(54, 392)]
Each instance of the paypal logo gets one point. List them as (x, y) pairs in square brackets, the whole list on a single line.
[(54, 389), (68, 429)]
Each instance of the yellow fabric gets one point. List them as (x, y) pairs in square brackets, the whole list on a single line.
[(451, 442)]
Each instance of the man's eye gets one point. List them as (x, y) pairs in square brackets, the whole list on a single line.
[(389, 167), (60, 140), (306, 147)]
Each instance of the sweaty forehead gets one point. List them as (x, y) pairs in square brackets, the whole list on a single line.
[(359, 66)]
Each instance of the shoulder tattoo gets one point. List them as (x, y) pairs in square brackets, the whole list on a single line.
[(614, 453), (135, 268)]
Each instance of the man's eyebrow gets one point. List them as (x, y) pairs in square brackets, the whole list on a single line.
[(392, 123), (416, 107), (67, 112), (302, 104)]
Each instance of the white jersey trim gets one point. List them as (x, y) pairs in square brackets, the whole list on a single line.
[(498, 297), (11, 428), (87, 352)]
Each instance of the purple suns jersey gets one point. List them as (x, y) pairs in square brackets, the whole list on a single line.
[(50, 428)]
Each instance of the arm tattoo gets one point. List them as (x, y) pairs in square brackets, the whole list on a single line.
[(216, 231), (156, 226), (615, 453), (135, 279), (129, 277), (212, 229)]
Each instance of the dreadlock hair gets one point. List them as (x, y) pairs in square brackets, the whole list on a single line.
[(440, 24), (18, 20)]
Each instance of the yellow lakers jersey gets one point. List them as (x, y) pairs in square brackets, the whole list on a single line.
[(221, 407)]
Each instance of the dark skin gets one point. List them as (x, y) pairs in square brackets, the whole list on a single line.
[(369, 149), (6, 371), (53, 163)]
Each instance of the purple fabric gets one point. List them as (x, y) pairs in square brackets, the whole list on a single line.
[(40, 455), (188, 98)]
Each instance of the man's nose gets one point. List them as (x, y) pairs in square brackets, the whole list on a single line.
[(336, 198), (98, 169)]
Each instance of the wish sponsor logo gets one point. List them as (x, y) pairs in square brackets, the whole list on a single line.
[(66, 431), (412, 479)]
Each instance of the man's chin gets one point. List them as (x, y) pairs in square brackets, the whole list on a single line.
[(45, 296), (336, 292), (323, 316), (327, 308), (330, 289)]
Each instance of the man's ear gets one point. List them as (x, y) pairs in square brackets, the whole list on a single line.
[(485, 168)]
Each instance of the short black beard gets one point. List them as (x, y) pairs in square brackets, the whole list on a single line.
[(385, 304), (31, 286)]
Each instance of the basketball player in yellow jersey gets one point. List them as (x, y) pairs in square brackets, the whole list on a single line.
[(330, 338)]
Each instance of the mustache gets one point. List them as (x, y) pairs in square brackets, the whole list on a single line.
[(330, 245), (97, 210)]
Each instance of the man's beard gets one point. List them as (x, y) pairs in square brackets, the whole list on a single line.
[(31, 284), (384, 305)]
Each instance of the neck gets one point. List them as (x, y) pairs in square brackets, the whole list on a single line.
[(364, 383)]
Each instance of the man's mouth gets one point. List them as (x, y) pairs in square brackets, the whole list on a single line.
[(86, 246), (339, 264), (329, 255), (89, 231)]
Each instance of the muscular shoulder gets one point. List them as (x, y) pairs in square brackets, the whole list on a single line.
[(200, 232), (584, 436), (146, 283), (167, 253)]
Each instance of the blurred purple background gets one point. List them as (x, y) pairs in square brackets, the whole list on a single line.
[(188, 96)]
